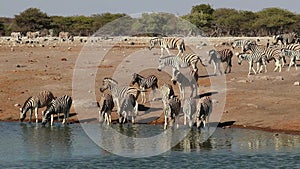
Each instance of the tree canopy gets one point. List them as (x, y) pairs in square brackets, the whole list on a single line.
[(213, 22)]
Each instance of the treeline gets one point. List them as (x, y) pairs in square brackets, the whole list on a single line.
[(211, 22)]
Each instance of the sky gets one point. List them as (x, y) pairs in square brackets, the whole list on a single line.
[(9, 8)]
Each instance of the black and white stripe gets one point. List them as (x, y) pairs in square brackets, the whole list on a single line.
[(118, 92), (204, 109), (217, 57), (257, 57), (189, 109), (129, 107), (293, 55), (59, 105), (270, 54), (106, 105), (186, 80), (241, 43), (145, 83), (168, 43), (171, 111), (34, 102), (286, 38)]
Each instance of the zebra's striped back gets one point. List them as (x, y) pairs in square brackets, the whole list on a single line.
[(253, 57), (295, 47), (241, 43), (45, 97), (145, 83), (270, 53), (168, 42), (61, 104), (291, 53)]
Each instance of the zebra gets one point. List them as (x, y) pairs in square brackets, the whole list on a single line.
[(293, 55), (34, 102), (106, 105), (217, 57), (184, 81), (257, 57), (129, 104), (171, 111), (145, 83), (177, 62), (286, 38), (241, 43), (168, 43), (64, 36), (270, 54), (167, 92), (204, 109), (62, 104), (118, 92), (189, 108)]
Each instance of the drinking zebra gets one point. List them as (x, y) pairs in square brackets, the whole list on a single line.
[(145, 83), (204, 109), (241, 43), (286, 38), (177, 62), (118, 92), (257, 57), (270, 54), (129, 107), (167, 92), (171, 111), (168, 43), (59, 105), (293, 55), (184, 81), (106, 105), (189, 108), (34, 102), (217, 57)]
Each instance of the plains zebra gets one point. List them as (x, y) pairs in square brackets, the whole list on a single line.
[(32, 35), (217, 57), (177, 62), (171, 111), (34, 102), (168, 43), (257, 57), (16, 35), (129, 104), (145, 83), (204, 109), (59, 105), (293, 55), (270, 54), (184, 81), (118, 92), (167, 92), (189, 108), (286, 38), (241, 43), (106, 105), (64, 36)]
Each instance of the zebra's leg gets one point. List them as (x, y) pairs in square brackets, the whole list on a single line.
[(295, 63), (219, 67), (161, 52), (290, 65), (184, 118), (165, 125), (30, 115), (168, 50), (52, 117), (176, 121), (36, 115), (109, 117)]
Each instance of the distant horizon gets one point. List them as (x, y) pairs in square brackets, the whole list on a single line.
[(87, 8)]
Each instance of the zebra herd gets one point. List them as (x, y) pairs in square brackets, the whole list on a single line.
[(53, 106), (195, 110)]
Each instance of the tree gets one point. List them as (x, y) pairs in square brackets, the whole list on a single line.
[(32, 19), (2, 31)]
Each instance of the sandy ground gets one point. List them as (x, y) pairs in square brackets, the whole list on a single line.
[(268, 101)]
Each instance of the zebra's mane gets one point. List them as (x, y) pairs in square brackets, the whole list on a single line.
[(110, 80)]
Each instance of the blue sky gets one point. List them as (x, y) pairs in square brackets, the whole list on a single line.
[(9, 8)]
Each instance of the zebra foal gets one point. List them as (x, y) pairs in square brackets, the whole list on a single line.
[(106, 105), (145, 83), (43, 99), (59, 105)]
